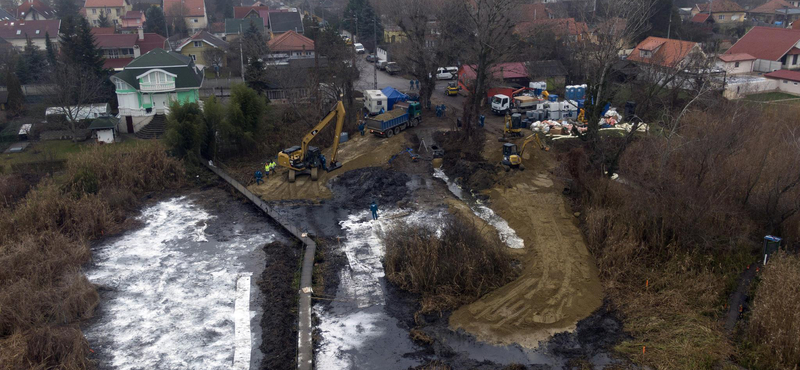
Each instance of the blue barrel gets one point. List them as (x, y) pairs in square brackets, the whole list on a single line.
[(344, 137), (580, 102), (553, 98)]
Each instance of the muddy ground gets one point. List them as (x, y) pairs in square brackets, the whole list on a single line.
[(279, 320)]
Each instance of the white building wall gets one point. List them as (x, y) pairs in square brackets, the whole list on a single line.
[(791, 87), (745, 66), (740, 90), (105, 136)]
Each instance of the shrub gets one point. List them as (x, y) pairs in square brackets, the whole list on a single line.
[(448, 267), (774, 325)]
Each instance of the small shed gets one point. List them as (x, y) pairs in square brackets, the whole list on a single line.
[(25, 131), (393, 96), (104, 129)]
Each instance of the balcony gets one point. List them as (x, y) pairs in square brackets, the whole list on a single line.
[(157, 86)]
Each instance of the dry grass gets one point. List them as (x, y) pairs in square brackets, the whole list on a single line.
[(774, 327), (43, 293), (686, 218), (454, 266)]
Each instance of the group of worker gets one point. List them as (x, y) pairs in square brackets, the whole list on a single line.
[(441, 111), (269, 167), (411, 84)]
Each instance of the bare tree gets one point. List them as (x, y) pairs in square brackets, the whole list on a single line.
[(73, 90), (484, 33), (214, 57)]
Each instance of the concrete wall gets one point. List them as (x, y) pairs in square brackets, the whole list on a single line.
[(740, 90)]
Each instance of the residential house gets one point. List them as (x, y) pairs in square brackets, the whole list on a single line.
[(195, 46), (113, 10), (734, 64), (290, 45), (703, 18), (16, 32), (502, 76), (773, 48), (121, 49), (103, 30), (6, 16), (661, 52), (193, 12), (280, 22), (778, 12), (257, 11), (723, 11), (132, 21), (236, 27), (34, 10), (392, 34), (217, 29), (147, 3), (562, 28), (786, 81), (146, 87)]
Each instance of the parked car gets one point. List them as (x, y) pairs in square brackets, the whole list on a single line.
[(359, 48), (446, 73), (393, 68), (381, 64), (372, 58)]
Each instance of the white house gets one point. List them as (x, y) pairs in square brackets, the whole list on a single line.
[(735, 64), (788, 81)]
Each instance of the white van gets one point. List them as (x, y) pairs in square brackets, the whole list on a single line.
[(359, 48), (446, 73), (374, 101)]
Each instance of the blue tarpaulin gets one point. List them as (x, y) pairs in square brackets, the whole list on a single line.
[(393, 96)]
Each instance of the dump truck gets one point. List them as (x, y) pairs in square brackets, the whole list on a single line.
[(392, 122)]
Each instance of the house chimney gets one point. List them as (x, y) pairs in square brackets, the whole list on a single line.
[(141, 33)]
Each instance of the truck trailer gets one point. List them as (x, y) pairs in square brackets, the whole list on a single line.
[(392, 122)]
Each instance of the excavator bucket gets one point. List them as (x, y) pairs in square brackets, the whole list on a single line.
[(334, 166)]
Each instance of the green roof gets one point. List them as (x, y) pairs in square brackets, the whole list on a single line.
[(180, 65), (103, 123), (160, 58), (232, 26)]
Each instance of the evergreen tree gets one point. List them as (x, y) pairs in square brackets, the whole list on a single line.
[(31, 64), (102, 20), (16, 100), (51, 52), (360, 14), (185, 128), (66, 8), (254, 48), (78, 46), (155, 21), (213, 117)]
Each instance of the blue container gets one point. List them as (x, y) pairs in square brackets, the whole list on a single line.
[(580, 102), (572, 92), (538, 92), (553, 98), (344, 137)]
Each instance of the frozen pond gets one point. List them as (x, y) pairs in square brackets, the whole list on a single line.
[(169, 297)]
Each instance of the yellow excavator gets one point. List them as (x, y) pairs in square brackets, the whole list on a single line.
[(305, 159), (512, 158)]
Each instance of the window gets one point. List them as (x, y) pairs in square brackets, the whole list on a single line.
[(784, 81), (645, 53), (19, 32), (117, 9), (795, 83), (198, 44), (736, 65), (195, 20), (121, 85), (94, 11), (794, 58), (721, 17), (194, 57), (138, 21)]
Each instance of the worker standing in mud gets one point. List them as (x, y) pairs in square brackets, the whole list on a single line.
[(374, 208), (361, 127)]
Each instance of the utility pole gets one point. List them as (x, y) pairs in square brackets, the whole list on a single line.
[(375, 62), (241, 54), (669, 27)]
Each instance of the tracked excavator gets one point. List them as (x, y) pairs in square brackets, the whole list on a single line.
[(512, 158), (305, 159)]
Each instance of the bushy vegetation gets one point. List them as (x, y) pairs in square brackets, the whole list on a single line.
[(686, 217), (43, 293), (448, 267), (774, 327)]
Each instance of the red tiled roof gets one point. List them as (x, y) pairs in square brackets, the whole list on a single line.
[(720, 6), (105, 3), (768, 43), (102, 30), (291, 41), (771, 6), (150, 42), (218, 27), (241, 11), (735, 57), (116, 63), (37, 5), (559, 26), (114, 41), (34, 29), (701, 17), (504, 71), (133, 14), (535, 11), (784, 74), (793, 51), (194, 8), (666, 52)]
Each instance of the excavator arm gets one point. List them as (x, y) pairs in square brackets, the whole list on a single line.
[(338, 113), (530, 139)]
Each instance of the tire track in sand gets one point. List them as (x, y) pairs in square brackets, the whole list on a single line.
[(558, 285)]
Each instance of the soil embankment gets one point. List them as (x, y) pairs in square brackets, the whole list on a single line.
[(559, 284)]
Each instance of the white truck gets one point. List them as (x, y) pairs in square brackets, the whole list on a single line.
[(375, 101), (502, 103)]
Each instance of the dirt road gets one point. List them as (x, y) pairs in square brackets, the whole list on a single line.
[(559, 284)]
